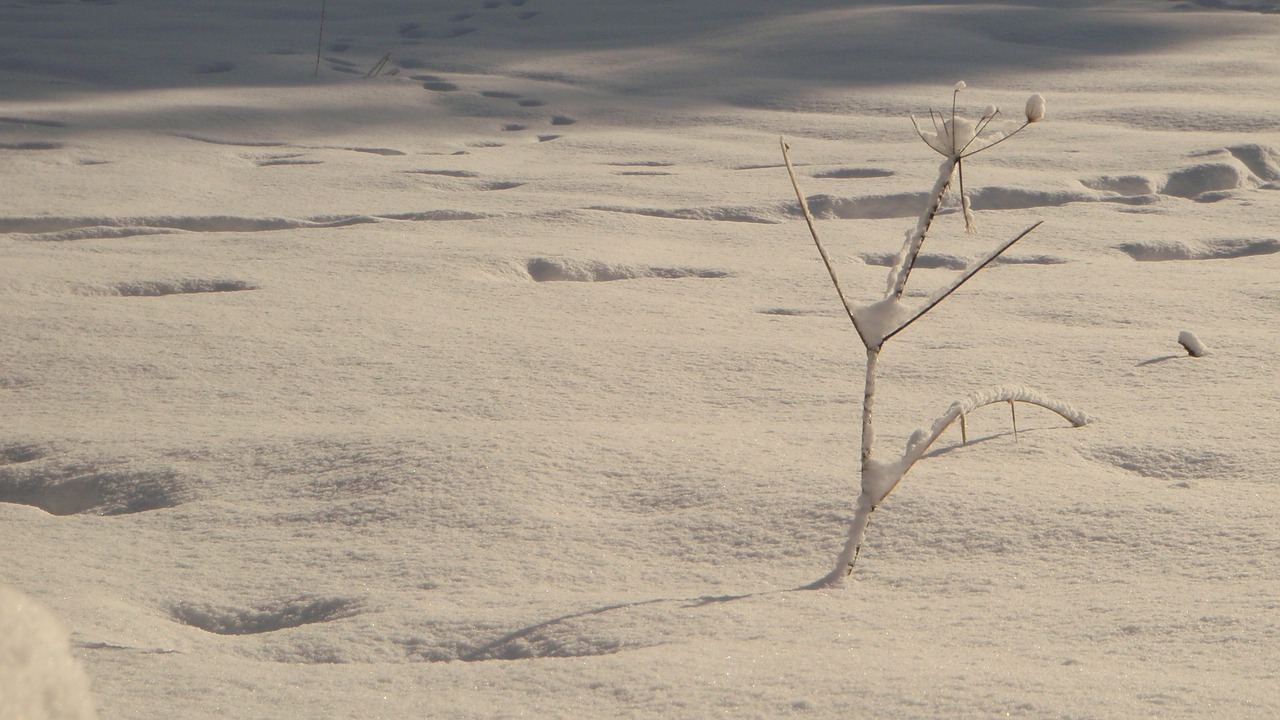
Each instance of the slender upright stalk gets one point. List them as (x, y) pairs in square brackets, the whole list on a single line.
[(320, 38)]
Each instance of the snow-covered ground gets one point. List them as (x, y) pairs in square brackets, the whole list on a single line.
[(506, 381)]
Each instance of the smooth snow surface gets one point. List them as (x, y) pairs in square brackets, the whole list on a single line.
[(507, 382)]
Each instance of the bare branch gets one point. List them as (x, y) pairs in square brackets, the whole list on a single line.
[(939, 297), (813, 230), (984, 148)]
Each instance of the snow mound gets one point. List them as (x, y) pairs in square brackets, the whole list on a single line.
[(1195, 181), (1016, 198), (1125, 185), (870, 207), (566, 270), (1217, 249), (39, 680), (1262, 160)]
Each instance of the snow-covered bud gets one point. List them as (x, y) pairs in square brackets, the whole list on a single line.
[(1035, 108), (960, 86), (990, 112)]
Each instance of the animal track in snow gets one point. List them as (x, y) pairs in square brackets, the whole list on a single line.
[(1168, 463), (1218, 249), (445, 173), (37, 122), (15, 454), (387, 152), (238, 143), (468, 175), (562, 120), (642, 163), (159, 288), (499, 185), (726, 213), (564, 270), (792, 312), (266, 617), (853, 173), (91, 228), (32, 145), (284, 159), (79, 489), (12, 381), (948, 261)]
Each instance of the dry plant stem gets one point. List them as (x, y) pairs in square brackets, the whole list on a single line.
[(939, 297), (813, 230), (911, 249), (1013, 415), (376, 70), (320, 38), (865, 504)]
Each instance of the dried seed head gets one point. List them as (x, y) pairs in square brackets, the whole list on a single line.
[(1035, 108)]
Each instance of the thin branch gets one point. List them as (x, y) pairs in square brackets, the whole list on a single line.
[(961, 281), (899, 273), (320, 38), (813, 230), (1013, 414), (983, 123), (965, 210), (922, 439), (376, 70), (920, 132), (984, 148)]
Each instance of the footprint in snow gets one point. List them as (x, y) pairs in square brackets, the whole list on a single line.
[(265, 617), (29, 477)]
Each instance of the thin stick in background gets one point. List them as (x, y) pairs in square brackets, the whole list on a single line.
[(320, 38)]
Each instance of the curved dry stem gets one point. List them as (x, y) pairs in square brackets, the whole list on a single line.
[(922, 439)]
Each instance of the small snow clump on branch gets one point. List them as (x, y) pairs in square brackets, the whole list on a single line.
[(1035, 108)]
